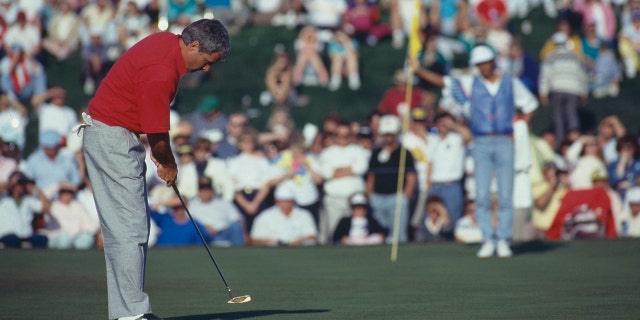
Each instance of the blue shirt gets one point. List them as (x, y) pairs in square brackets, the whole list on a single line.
[(47, 172), (177, 234)]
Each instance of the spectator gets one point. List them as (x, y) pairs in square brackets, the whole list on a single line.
[(68, 224), (585, 156), (629, 46), (467, 229), (175, 226), (49, 165), (547, 197), (382, 180), (492, 12), (394, 99), (493, 150), (95, 61), (204, 165), (7, 165), (279, 80), (564, 86), (301, 170), (607, 76), (629, 226), (432, 225), (601, 13), (573, 43), (431, 58), (63, 32), (21, 76), (362, 21), (86, 198), (220, 217), (360, 228), (624, 171), (401, 14), (342, 165), (601, 180), (343, 53), (22, 200), (176, 8), (250, 173), (133, 25), (610, 129), (24, 34), (309, 69), (14, 117), (99, 15), (207, 116), (447, 149), (284, 224), (520, 64), (53, 113), (416, 141), (236, 123)]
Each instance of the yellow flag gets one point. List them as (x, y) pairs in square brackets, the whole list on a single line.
[(415, 43)]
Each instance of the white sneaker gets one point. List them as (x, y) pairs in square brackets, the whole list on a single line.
[(487, 250), (354, 82), (503, 249), (335, 83)]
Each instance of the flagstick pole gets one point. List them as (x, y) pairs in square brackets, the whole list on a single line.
[(401, 167)]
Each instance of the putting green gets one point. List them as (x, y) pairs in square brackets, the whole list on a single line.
[(546, 280)]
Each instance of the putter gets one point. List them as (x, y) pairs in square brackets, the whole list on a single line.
[(232, 299)]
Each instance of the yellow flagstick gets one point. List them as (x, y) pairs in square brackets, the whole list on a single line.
[(414, 47)]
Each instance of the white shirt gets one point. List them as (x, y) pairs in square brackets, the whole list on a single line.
[(217, 213), (273, 224), (447, 157), (28, 37), (249, 171), (325, 13), (336, 156), (216, 169), (58, 118), (16, 219)]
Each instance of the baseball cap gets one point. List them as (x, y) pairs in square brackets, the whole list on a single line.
[(49, 139), (633, 195), (284, 192), (418, 114), (205, 183), (208, 104), (213, 135), (389, 124), (358, 199), (481, 54)]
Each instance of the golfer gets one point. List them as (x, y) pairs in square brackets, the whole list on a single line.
[(132, 100)]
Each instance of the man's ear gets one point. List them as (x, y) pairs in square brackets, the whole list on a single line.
[(195, 45)]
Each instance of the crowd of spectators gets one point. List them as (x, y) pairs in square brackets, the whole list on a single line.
[(339, 181)]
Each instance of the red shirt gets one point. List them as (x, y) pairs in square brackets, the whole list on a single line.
[(394, 96), (490, 11), (138, 89)]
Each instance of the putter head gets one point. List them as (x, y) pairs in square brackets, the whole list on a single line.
[(240, 299)]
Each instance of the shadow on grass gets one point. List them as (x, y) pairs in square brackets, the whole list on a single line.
[(245, 314), (535, 247)]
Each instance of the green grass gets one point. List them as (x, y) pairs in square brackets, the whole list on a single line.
[(546, 280)]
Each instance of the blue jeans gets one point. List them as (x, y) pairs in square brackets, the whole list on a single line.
[(384, 208), (494, 154), (233, 234), (453, 197)]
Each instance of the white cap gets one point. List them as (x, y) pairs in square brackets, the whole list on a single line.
[(389, 124), (559, 38), (480, 54), (358, 199), (213, 135), (284, 191), (633, 195)]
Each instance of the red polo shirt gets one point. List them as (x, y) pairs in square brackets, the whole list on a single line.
[(138, 89)]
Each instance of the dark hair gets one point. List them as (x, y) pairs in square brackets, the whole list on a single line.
[(628, 140), (211, 34)]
